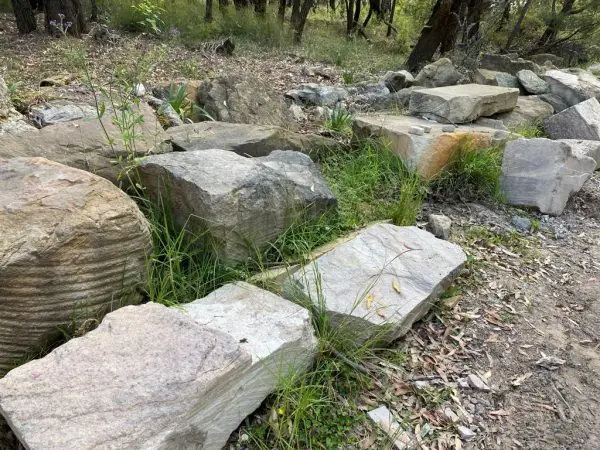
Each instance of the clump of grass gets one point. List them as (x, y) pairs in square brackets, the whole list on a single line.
[(340, 121), (472, 173), (530, 131), (348, 77)]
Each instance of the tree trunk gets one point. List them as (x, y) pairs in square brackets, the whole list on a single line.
[(391, 21), (281, 10), (24, 15), (517, 29), (208, 14), (506, 9), (551, 32), (73, 13), (453, 25), (356, 18), (260, 7), (239, 4), (299, 20), (223, 5), (432, 34), (94, 16)]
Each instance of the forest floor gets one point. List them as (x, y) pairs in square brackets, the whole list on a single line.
[(525, 296)]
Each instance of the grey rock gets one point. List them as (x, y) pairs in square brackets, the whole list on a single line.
[(416, 130), (323, 113), (437, 74), (465, 433), (491, 123), (543, 58), (396, 81), (243, 139), (543, 173), (477, 383), (298, 113), (157, 377), (522, 224), (72, 247), (384, 419), (451, 416), (493, 78), (585, 148), (530, 110), (242, 203), (532, 83), (379, 283), (594, 69), (581, 121), (83, 144), (507, 63), (448, 128), (440, 225), (318, 95), (243, 99), (557, 103), (463, 103), (6, 105), (573, 86)]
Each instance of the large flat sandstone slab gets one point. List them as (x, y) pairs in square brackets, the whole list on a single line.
[(462, 103), (380, 282), (428, 153)]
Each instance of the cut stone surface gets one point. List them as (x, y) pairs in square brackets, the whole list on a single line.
[(581, 121), (573, 87), (439, 73), (531, 82), (243, 139), (72, 247), (463, 103), (380, 282), (243, 203), (84, 145), (530, 110), (430, 152), (318, 95), (585, 148), (543, 173), (60, 111)]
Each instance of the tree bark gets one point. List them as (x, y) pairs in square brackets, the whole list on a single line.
[(208, 14), (94, 16), (300, 19), (432, 34), (551, 32), (72, 11), (391, 21), (24, 16), (517, 29), (349, 16), (281, 10), (260, 7), (506, 9)]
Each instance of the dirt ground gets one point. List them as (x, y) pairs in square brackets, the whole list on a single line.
[(525, 298)]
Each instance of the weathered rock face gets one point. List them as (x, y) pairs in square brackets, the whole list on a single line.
[(243, 203), (429, 152), (531, 82), (557, 103), (243, 100), (243, 139), (581, 121), (59, 111), (493, 78), (585, 148), (382, 281), (396, 81), (543, 174), (83, 144), (437, 74), (542, 58), (530, 110), (72, 247), (594, 69), (5, 102), (573, 87), (505, 63), (318, 94), (463, 103), (11, 121)]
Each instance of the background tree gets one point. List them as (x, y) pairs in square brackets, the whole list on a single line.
[(71, 12), (24, 16)]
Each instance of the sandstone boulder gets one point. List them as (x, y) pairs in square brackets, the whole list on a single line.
[(382, 281), (557, 103), (530, 110), (581, 121), (493, 78), (542, 173), (242, 203), (243, 139), (58, 111), (83, 144), (318, 94), (437, 74), (507, 63), (396, 81), (430, 152), (585, 148), (531, 82), (72, 247), (463, 103), (5, 103), (160, 378), (573, 86)]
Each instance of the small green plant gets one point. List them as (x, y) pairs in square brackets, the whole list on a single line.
[(151, 14), (13, 88), (348, 77), (472, 173), (179, 101), (340, 121), (529, 131)]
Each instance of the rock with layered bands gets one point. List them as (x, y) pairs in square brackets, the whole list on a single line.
[(463, 103), (376, 285), (242, 203), (581, 121), (573, 87), (151, 377), (72, 247), (544, 174)]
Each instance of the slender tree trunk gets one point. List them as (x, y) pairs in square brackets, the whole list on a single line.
[(551, 32), (223, 5), (453, 25), (391, 21), (517, 29), (260, 7), (208, 14), (239, 4), (506, 9), (300, 20), (281, 10), (356, 15), (432, 34), (349, 16), (94, 16), (73, 13), (24, 16)]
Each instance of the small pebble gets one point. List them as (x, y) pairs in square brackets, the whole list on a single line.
[(448, 128), (418, 131), (477, 383), (522, 224), (426, 128), (466, 434)]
